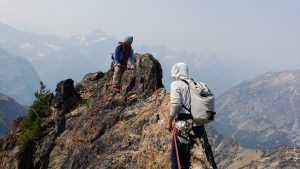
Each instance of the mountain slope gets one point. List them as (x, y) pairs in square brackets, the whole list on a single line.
[(95, 128), (9, 111), (18, 79), (229, 154), (263, 112)]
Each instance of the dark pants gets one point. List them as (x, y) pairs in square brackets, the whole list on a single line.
[(184, 150), (184, 155)]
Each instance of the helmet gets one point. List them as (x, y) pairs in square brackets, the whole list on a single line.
[(129, 39)]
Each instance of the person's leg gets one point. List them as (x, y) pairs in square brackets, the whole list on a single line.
[(198, 131), (173, 158), (117, 76), (184, 155)]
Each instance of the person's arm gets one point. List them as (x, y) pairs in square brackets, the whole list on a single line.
[(175, 104), (170, 120), (117, 54), (132, 59)]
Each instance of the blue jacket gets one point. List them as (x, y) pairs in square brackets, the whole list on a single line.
[(118, 56)]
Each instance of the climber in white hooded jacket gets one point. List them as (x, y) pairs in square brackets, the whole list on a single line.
[(180, 95), (179, 92)]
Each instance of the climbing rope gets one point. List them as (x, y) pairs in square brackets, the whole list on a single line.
[(176, 148)]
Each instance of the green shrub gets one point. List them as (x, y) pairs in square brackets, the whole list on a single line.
[(31, 124)]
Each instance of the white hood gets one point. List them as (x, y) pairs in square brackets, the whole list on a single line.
[(180, 71)]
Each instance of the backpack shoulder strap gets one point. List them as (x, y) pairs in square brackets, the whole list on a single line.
[(186, 82), (124, 52)]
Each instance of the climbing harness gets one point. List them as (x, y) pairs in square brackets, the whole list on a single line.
[(184, 127), (182, 131)]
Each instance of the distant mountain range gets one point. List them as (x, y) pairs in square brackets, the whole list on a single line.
[(18, 78), (9, 111), (55, 58), (263, 112)]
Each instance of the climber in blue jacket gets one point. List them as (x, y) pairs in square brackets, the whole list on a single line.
[(123, 52)]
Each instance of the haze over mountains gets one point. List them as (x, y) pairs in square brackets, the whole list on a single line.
[(263, 112), (55, 58)]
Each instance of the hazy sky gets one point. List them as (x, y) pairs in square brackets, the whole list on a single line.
[(254, 30)]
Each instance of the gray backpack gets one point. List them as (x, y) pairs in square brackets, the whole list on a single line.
[(202, 102)]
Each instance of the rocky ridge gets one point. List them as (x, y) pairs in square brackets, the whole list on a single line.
[(91, 127)]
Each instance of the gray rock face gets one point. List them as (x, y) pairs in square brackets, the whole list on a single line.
[(109, 130), (263, 112)]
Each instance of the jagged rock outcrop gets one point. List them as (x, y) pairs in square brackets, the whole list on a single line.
[(65, 100), (102, 129)]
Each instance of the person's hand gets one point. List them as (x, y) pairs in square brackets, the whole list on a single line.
[(170, 127), (169, 123)]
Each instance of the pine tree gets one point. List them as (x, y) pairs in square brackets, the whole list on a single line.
[(31, 124)]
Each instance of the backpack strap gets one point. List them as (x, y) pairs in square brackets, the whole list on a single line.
[(125, 54), (190, 116), (186, 82)]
